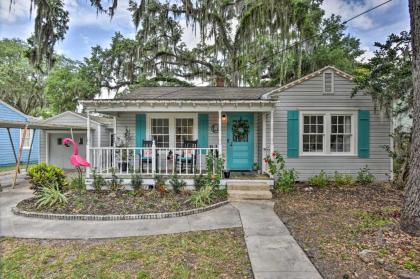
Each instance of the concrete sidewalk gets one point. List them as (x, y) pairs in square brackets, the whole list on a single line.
[(273, 252), (6, 178), (16, 226)]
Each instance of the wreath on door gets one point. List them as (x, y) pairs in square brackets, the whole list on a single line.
[(240, 128)]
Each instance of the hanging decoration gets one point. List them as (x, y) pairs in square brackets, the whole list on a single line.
[(240, 128)]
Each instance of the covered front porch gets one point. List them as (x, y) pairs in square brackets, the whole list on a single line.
[(189, 138)]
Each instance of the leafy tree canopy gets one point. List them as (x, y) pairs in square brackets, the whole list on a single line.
[(38, 92), (247, 43)]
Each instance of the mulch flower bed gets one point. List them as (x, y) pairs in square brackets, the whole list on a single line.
[(118, 202), (351, 232)]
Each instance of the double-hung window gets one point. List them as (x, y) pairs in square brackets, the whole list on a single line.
[(184, 128), (327, 133), (313, 133), (172, 130), (160, 131), (341, 133)]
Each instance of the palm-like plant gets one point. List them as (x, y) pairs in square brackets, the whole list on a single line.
[(50, 196)]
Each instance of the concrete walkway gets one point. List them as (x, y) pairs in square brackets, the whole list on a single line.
[(273, 252), (6, 178), (16, 226)]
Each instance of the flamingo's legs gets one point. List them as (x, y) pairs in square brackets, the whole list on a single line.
[(79, 170)]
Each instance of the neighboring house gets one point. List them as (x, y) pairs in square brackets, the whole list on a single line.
[(7, 156), (313, 122), (52, 149)]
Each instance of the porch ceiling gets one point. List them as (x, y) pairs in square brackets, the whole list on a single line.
[(114, 105)]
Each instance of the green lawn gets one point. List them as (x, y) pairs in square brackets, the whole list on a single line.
[(209, 254), (13, 167)]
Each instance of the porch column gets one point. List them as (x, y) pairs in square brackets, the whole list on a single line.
[(264, 140), (220, 133), (115, 129), (272, 132), (88, 143)]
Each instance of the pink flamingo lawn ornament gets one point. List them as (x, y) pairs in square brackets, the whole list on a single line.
[(75, 159)]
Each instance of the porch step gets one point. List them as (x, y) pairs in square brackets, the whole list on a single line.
[(248, 187), (249, 190), (239, 195)]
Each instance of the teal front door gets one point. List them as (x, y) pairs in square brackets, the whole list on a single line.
[(240, 141)]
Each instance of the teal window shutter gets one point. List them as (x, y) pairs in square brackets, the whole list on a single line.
[(293, 133), (363, 135), (140, 129), (203, 131)]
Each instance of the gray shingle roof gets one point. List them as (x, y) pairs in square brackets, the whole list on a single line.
[(197, 93)]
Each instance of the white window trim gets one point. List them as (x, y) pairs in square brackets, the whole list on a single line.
[(332, 82), (327, 133), (172, 122), (31, 135)]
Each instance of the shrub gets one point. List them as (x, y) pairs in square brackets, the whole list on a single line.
[(115, 183), (202, 197), (50, 195), (98, 181), (78, 183), (176, 183), (136, 182), (286, 181), (220, 194), (160, 185), (343, 179), (200, 181), (275, 163), (320, 180), (42, 175), (215, 166), (364, 176)]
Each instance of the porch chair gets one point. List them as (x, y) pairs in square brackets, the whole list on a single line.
[(146, 156), (189, 156)]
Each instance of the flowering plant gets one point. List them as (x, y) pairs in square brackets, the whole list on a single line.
[(275, 163)]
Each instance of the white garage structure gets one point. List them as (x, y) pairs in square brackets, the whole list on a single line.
[(52, 149)]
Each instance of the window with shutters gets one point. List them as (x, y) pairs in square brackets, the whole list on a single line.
[(341, 133), (313, 133), (328, 82), (327, 133), (171, 129)]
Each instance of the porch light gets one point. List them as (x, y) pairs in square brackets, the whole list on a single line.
[(224, 118)]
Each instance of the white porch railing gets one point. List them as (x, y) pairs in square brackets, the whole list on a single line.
[(150, 160)]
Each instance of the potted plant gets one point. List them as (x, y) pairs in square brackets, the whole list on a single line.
[(255, 167), (226, 174), (125, 156)]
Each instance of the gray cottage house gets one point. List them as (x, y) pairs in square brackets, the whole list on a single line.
[(314, 122)]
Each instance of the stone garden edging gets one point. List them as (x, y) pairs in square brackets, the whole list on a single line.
[(114, 217)]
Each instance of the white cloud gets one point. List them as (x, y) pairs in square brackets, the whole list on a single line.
[(347, 9), (19, 10), (82, 14)]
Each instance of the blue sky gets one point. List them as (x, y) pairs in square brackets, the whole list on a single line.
[(88, 29)]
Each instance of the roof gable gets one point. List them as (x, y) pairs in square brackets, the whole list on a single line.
[(65, 114), (307, 77), (14, 110)]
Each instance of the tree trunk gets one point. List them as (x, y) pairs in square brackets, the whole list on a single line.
[(410, 219)]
